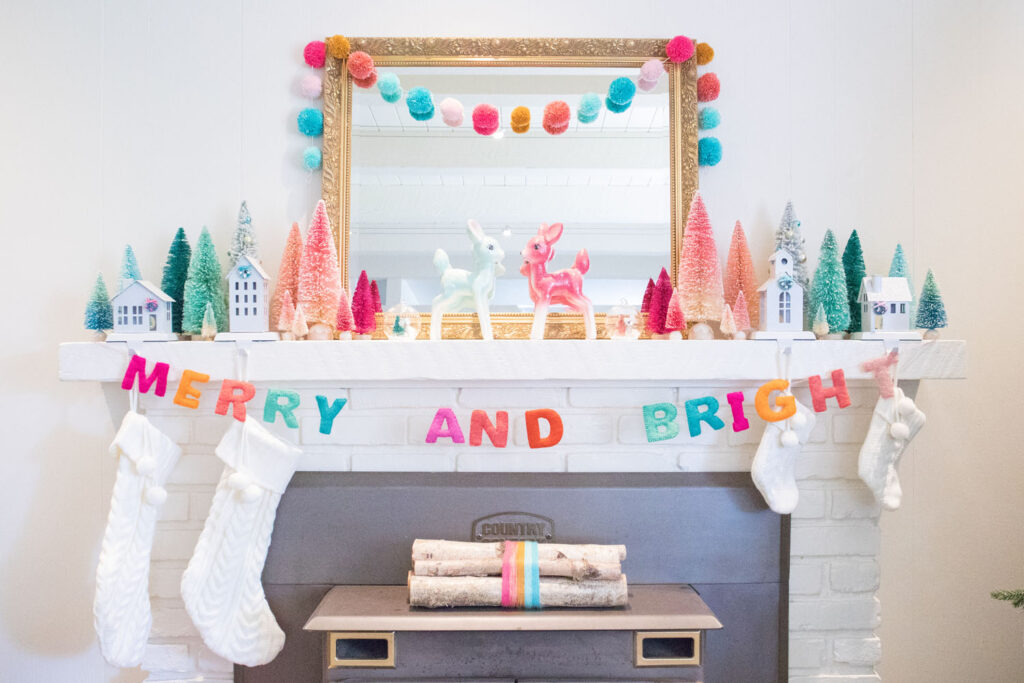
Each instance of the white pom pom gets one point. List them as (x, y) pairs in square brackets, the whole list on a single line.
[(907, 407), (239, 480), (155, 496), (145, 465), (789, 439), (899, 431), (250, 493), (311, 86), (798, 420), (701, 331)]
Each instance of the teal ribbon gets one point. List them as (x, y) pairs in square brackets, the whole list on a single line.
[(531, 572)]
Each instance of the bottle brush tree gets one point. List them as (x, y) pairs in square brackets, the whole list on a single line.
[(675, 321), (243, 242), (1014, 597), (853, 268), (209, 329), (820, 325), (130, 265), (363, 306), (648, 293), (175, 274), (286, 316), (375, 293), (740, 313), (829, 286), (739, 272), (319, 274), (728, 323), (204, 285), (899, 268), (931, 312), (99, 315), (700, 277), (660, 299), (789, 237), (299, 327), (345, 323), (288, 273)]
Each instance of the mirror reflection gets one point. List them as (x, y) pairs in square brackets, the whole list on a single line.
[(415, 184)]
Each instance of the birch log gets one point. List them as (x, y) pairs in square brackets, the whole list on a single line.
[(485, 591), (423, 549), (578, 570)]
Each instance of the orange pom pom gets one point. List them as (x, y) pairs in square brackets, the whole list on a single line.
[(338, 47), (556, 117), (360, 65), (708, 87), (705, 53), (520, 120)]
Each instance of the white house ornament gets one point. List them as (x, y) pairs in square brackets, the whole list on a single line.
[(885, 309), (142, 311), (782, 301), (121, 610), (248, 302)]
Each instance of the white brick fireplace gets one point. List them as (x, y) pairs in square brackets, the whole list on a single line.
[(834, 573)]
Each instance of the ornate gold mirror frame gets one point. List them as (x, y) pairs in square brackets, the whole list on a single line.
[(550, 52)]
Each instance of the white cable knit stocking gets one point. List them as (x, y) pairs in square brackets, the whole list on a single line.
[(773, 467), (221, 586), (121, 609), (895, 422)]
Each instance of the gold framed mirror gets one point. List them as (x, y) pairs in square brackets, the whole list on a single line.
[(354, 129)]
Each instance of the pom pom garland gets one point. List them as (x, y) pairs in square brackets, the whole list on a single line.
[(360, 65), (312, 158), (709, 151), (556, 117), (708, 118), (451, 112), (420, 103), (616, 108), (485, 119), (679, 49), (315, 53), (652, 70), (621, 91), (705, 53), (390, 87), (520, 120), (311, 86), (708, 87), (338, 47), (311, 122), (367, 82), (590, 108)]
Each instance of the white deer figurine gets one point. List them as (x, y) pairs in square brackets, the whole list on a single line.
[(464, 289)]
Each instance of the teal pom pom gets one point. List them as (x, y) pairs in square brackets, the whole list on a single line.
[(390, 87), (616, 108), (709, 118), (421, 104), (311, 122), (590, 108), (709, 151), (312, 158), (621, 91)]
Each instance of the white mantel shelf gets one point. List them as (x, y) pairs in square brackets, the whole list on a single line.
[(569, 361)]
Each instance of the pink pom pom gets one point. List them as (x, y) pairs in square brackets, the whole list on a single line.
[(708, 87), (485, 119), (311, 86), (556, 117), (315, 53), (360, 65), (451, 112), (679, 49), (646, 86), (652, 70), (367, 82)]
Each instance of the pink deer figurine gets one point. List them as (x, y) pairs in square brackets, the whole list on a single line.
[(560, 287)]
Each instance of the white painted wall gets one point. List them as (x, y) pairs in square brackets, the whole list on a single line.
[(122, 120)]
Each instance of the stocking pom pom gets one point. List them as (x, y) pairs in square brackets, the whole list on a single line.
[(367, 82), (907, 407), (239, 480), (590, 108), (360, 65), (789, 439), (250, 493), (520, 119), (311, 121), (485, 119), (708, 118), (145, 465), (338, 47), (390, 87), (556, 117), (315, 53), (708, 87), (899, 431), (679, 49), (155, 496), (652, 70), (798, 420), (709, 151), (451, 112), (420, 103), (311, 86), (312, 158), (705, 53)]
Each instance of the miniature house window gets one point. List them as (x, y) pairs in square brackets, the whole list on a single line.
[(784, 307), (903, 308), (892, 308), (237, 295), (236, 284), (783, 260), (865, 308)]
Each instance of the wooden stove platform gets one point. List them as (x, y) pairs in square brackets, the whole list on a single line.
[(662, 607)]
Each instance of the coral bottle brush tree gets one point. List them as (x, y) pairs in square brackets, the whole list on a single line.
[(739, 273), (829, 286), (288, 274), (204, 285), (319, 276)]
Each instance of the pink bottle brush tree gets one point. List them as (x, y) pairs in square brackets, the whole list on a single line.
[(739, 273), (363, 307), (320, 276), (675, 321), (286, 316), (375, 294), (700, 276), (346, 323), (741, 315), (288, 273), (661, 297)]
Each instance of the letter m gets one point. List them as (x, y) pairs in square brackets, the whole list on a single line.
[(137, 368)]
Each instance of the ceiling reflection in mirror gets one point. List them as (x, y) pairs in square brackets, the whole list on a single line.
[(414, 184)]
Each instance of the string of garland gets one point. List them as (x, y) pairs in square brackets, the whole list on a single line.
[(486, 118)]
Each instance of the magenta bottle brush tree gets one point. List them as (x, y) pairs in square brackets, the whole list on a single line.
[(828, 288), (319, 276), (700, 276), (363, 307), (204, 285), (660, 299)]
